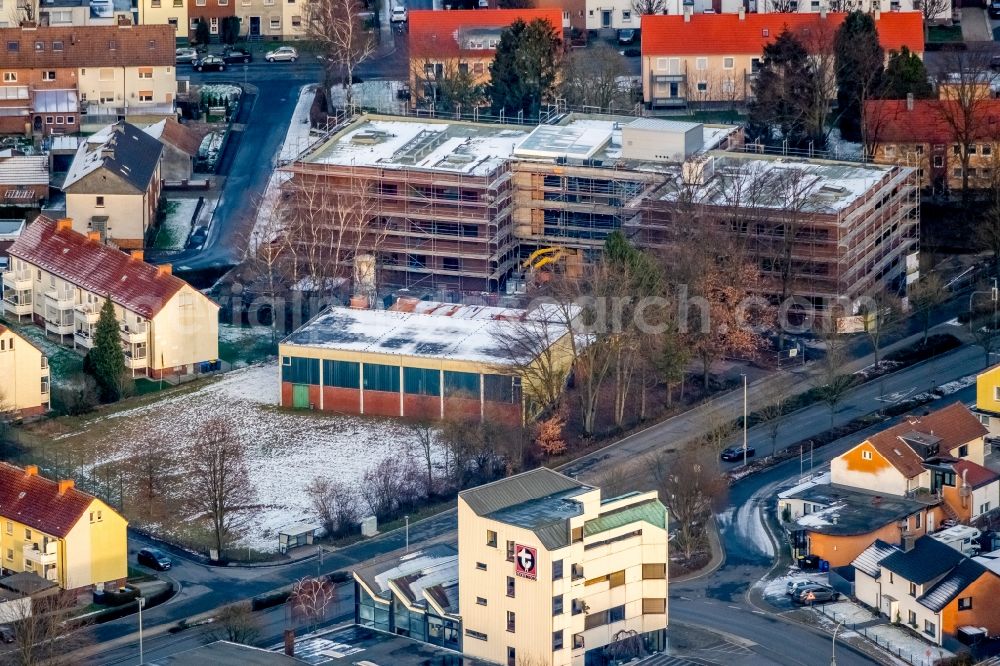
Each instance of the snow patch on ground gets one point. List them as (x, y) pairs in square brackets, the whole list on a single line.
[(909, 647), (230, 333), (955, 386), (287, 450), (298, 137), (776, 588), (750, 526), (176, 227)]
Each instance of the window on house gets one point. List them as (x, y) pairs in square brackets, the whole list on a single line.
[(451, 264), (481, 601), (963, 451), (510, 551), (194, 23), (654, 571), (49, 120), (10, 527), (577, 606), (557, 640), (510, 586), (702, 86), (957, 172), (929, 628), (57, 46), (616, 579), (557, 570), (917, 521), (866, 455), (10, 553), (481, 566), (616, 614), (296, 21), (99, 203), (661, 63), (577, 641), (701, 63), (13, 47), (511, 656), (965, 603), (145, 95), (956, 150), (145, 72), (577, 534), (890, 152), (654, 606), (10, 77), (728, 63), (577, 571), (913, 589), (938, 161), (27, 534), (626, 16), (491, 538), (478, 635), (912, 618), (996, 393), (986, 150), (984, 508), (557, 604), (275, 24), (511, 626), (172, 21), (48, 75)]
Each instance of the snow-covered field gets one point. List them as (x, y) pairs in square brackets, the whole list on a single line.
[(378, 94), (287, 450), (177, 226)]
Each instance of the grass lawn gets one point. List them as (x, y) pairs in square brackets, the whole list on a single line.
[(242, 345), (715, 116), (944, 33), (64, 361)]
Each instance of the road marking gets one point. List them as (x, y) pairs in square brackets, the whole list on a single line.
[(736, 607), (758, 612), (686, 598)]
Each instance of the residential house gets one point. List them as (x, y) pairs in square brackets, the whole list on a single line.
[(837, 523), (213, 12), (167, 327), (446, 43), (931, 453), (547, 571), (712, 58), (612, 15), (24, 181), (422, 359), (170, 13), (25, 371), (988, 399), (271, 20), (929, 587), (180, 148), (59, 532), (10, 231), (102, 72), (923, 134), (83, 12), (867, 6), (113, 185)]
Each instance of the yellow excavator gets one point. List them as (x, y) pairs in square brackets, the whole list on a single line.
[(536, 263)]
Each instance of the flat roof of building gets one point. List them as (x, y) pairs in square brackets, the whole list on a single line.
[(850, 511), (358, 645), (765, 181), (426, 329), (479, 148)]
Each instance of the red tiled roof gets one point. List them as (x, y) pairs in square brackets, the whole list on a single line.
[(976, 475), (436, 32), (955, 425), (180, 136), (90, 46), (728, 34), (36, 502), (889, 121), (129, 282)]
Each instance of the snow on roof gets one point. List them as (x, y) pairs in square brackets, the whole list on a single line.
[(828, 186), (818, 480), (424, 568), (442, 146), (828, 516), (576, 140), (427, 329), (24, 170), (869, 560)]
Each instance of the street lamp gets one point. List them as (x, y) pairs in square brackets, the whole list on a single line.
[(142, 603), (833, 648), (993, 296), (407, 519), (744, 420)]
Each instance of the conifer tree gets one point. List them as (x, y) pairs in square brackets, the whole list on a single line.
[(105, 361)]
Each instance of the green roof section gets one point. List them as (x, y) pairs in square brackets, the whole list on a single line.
[(651, 511)]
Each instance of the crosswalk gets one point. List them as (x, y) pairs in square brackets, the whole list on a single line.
[(670, 660)]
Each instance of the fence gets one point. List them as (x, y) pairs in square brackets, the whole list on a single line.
[(835, 153), (867, 629)]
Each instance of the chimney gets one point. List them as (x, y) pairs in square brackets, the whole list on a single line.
[(107, 152), (908, 542), (359, 302), (743, 13), (878, 14), (687, 14), (164, 269), (64, 224), (909, 101), (64, 485), (822, 11), (290, 642), (94, 236), (31, 470), (136, 254)]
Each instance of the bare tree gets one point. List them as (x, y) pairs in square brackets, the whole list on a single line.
[(311, 600), (444, 84), (689, 485), (152, 470), (218, 483), (236, 623), (833, 384), (925, 297), (333, 503), (771, 414), (931, 10), (425, 432), (644, 7), (536, 349), (881, 313), (593, 78), (44, 632), (390, 485), (985, 333), (338, 30), (987, 234)]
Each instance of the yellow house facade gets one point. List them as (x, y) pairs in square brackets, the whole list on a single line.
[(60, 533), (988, 399), (61, 279), (549, 571), (24, 390), (165, 12)]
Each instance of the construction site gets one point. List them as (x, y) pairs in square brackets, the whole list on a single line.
[(460, 209)]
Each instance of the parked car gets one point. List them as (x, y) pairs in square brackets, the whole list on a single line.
[(994, 9), (289, 53), (398, 15), (186, 55), (232, 55), (154, 559), (736, 453), (211, 63), (796, 585), (626, 36), (815, 594), (6, 634), (198, 237)]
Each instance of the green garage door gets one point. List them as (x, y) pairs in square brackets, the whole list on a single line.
[(300, 396)]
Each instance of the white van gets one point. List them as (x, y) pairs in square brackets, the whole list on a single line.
[(962, 538)]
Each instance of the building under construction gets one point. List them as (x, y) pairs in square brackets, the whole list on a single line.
[(467, 207)]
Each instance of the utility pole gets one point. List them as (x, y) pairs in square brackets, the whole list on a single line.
[(142, 602), (407, 519), (744, 420)]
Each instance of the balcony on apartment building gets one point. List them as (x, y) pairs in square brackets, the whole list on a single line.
[(83, 336), (42, 554), (60, 300), (135, 356), (17, 303), (132, 333), (17, 280), (94, 111)]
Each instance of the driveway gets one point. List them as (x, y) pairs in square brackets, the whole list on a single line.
[(976, 25)]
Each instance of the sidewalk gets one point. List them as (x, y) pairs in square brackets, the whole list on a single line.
[(976, 26)]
